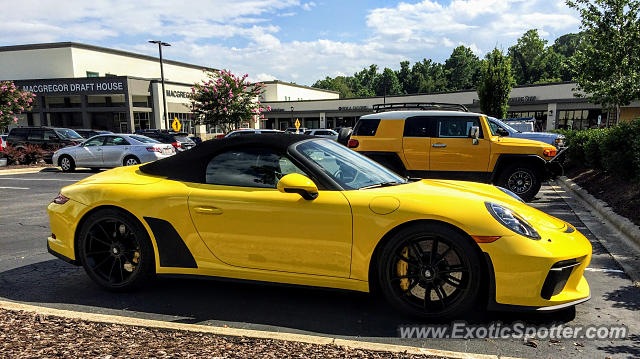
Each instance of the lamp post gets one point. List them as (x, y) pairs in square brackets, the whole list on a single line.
[(164, 100), (291, 123)]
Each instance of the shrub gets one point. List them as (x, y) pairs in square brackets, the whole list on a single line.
[(23, 155), (615, 150)]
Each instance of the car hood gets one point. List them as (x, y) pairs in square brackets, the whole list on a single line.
[(468, 196)]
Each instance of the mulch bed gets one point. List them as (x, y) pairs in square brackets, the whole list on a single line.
[(622, 195), (29, 335)]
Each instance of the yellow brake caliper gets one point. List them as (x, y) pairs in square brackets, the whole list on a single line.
[(402, 268)]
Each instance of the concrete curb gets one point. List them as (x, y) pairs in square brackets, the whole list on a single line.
[(225, 331), (26, 170), (621, 223)]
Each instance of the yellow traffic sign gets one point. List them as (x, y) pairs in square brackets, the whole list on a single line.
[(176, 125), (297, 125)]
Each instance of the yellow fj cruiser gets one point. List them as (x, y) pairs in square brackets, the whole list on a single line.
[(434, 140)]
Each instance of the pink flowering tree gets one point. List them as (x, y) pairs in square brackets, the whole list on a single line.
[(226, 100), (12, 103)]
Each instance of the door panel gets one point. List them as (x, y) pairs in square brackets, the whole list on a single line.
[(90, 153), (453, 150), (112, 151), (263, 228), (416, 143)]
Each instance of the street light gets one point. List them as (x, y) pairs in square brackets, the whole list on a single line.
[(291, 123), (164, 100)]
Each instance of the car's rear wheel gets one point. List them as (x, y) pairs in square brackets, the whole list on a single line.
[(521, 179), (67, 163), (431, 271), (115, 250), (130, 161)]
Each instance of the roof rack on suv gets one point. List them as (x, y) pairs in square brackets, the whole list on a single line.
[(420, 106)]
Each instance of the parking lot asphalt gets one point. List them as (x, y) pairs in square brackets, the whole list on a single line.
[(29, 274)]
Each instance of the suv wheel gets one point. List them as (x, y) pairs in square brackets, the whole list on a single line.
[(521, 179), (67, 164)]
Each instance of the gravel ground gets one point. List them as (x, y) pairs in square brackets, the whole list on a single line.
[(29, 335)]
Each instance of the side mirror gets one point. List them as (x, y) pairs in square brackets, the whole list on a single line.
[(474, 133), (502, 132), (300, 184)]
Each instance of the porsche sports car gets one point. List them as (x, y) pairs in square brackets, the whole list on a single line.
[(308, 211)]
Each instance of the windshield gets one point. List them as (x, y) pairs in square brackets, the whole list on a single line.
[(348, 168), (183, 139), (144, 139), (494, 123), (66, 133)]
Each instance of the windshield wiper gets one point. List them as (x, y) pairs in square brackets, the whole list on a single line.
[(383, 184)]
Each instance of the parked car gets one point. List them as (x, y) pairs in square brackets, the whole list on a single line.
[(250, 131), (453, 144), (179, 140), (49, 139), (3, 142), (499, 128), (293, 130), (326, 133), (87, 133), (197, 140), (218, 210), (117, 149)]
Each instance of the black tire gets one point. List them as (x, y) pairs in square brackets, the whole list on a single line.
[(115, 257), (521, 179), (67, 164), (130, 161), (407, 271)]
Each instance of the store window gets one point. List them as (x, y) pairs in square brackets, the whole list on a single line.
[(578, 119), (141, 101), (106, 100), (141, 120), (63, 102)]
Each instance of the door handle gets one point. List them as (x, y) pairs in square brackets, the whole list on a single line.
[(208, 210), (439, 145)]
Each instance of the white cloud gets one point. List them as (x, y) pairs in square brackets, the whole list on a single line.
[(248, 36)]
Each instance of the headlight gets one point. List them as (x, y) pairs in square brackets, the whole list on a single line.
[(510, 193), (511, 220)]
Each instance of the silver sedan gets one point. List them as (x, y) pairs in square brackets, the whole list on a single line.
[(112, 150)]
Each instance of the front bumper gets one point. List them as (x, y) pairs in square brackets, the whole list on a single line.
[(524, 273)]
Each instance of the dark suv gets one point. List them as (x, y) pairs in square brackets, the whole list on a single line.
[(49, 139), (179, 140)]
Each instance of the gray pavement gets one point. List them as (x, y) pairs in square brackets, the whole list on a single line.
[(28, 274)]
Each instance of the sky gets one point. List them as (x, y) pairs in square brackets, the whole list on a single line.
[(289, 40)]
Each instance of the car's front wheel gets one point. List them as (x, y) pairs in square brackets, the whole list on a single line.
[(115, 250), (431, 271), (521, 179), (67, 163)]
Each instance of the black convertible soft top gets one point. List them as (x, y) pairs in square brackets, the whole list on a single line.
[(190, 166)]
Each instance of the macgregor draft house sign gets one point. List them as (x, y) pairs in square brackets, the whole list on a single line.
[(74, 86)]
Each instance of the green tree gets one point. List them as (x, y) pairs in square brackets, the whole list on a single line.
[(387, 83), (532, 60), (566, 46), (607, 64), (225, 100), (12, 103), (339, 84), (496, 81), (462, 68), (404, 76), (363, 81)]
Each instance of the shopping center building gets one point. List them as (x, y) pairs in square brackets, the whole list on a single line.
[(85, 86), (553, 105)]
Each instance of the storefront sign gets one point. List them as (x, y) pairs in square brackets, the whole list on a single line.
[(74, 86), (177, 94), (352, 108), (519, 99)]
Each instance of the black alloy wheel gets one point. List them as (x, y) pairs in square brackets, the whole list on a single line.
[(430, 271), (523, 180), (115, 250)]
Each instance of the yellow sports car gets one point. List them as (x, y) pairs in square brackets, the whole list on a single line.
[(303, 210)]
